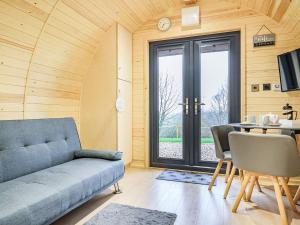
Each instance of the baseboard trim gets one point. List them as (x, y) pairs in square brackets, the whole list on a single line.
[(137, 164)]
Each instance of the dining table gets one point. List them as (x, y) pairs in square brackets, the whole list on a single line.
[(288, 127)]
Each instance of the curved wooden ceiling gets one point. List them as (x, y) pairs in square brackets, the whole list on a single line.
[(133, 13), (274, 9), (130, 13)]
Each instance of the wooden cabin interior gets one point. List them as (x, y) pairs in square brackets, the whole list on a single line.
[(194, 93)]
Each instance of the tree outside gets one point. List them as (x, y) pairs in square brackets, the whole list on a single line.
[(219, 108), (168, 99), (170, 113)]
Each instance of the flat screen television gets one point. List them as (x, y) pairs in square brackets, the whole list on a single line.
[(289, 70)]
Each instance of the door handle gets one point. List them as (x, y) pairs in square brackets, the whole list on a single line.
[(186, 105), (197, 104)]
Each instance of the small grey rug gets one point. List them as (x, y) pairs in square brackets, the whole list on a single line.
[(116, 214), (186, 177)]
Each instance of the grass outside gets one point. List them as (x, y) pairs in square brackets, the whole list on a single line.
[(204, 140)]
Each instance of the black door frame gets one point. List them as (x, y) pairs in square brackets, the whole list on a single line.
[(192, 70), (154, 97)]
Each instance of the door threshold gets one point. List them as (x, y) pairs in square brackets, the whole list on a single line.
[(204, 169)]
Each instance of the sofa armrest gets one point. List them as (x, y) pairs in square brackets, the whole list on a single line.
[(100, 154)]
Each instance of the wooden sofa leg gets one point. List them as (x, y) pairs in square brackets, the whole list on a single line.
[(117, 188)]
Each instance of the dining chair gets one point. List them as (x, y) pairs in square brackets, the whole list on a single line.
[(222, 151), (271, 155)]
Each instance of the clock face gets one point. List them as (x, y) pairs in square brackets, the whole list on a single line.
[(164, 24)]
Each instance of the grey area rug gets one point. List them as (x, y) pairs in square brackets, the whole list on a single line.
[(116, 214), (186, 177)]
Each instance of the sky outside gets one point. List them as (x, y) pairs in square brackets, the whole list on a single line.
[(214, 73)]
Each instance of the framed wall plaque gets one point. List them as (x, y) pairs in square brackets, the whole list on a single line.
[(260, 40)]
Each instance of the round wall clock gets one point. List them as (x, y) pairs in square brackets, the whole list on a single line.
[(164, 24)]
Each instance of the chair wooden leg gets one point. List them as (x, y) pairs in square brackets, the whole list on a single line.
[(258, 185), (297, 195), (228, 167), (287, 179), (216, 173), (229, 182), (251, 187), (241, 175), (284, 219), (241, 194), (288, 193)]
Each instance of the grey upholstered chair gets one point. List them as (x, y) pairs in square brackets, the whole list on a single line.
[(222, 151), (275, 156), (220, 136)]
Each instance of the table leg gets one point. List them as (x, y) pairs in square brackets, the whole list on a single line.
[(247, 130), (264, 131)]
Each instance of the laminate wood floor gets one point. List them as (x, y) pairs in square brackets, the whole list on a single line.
[(193, 203)]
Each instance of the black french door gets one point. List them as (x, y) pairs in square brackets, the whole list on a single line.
[(194, 84)]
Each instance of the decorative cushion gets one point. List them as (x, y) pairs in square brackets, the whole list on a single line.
[(100, 154)]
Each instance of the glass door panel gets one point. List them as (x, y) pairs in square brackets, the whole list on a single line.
[(214, 70), (169, 104), (170, 97)]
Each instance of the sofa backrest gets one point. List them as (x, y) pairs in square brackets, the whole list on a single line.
[(27, 146)]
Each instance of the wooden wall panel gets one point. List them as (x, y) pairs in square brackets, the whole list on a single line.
[(124, 63), (45, 50), (109, 78), (47, 46), (259, 65), (61, 58), (124, 132), (19, 32), (98, 111)]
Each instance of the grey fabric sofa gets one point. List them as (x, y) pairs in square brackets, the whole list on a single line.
[(40, 180)]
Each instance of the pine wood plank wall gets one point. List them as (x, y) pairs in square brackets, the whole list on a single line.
[(259, 65), (109, 78), (98, 112), (45, 50)]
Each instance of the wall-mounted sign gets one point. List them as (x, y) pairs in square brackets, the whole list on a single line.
[(260, 40)]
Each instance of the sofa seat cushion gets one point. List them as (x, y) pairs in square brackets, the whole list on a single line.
[(40, 197)]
